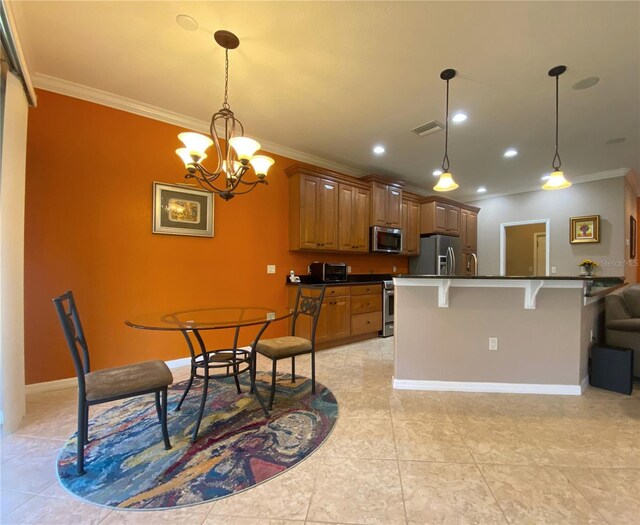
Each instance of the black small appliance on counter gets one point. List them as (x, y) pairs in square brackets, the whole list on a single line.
[(328, 272)]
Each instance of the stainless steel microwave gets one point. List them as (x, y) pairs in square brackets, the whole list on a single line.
[(387, 240)]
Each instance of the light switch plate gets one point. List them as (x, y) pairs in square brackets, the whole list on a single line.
[(271, 268), (554, 269)]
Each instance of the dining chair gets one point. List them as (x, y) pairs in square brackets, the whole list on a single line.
[(309, 304), (109, 384)]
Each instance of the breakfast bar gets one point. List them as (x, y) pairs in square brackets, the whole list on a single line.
[(496, 334)]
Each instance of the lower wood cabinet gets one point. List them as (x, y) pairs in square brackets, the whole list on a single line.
[(349, 313)]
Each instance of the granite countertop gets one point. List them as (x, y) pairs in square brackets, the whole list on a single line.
[(365, 278), (592, 278)]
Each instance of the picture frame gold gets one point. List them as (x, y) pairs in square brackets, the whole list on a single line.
[(182, 210), (584, 229)]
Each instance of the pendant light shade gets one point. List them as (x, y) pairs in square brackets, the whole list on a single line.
[(446, 182), (556, 180)]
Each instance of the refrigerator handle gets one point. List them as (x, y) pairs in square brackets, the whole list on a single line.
[(449, 256), (453, 263)]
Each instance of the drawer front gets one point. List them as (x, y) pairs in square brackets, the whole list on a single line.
[(361, 304), (365, 289), (336, 291), (366, 323)]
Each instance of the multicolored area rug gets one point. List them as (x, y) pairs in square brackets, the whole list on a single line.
[(128, 467)]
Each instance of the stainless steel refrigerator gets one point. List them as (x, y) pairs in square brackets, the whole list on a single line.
[(439, 255)]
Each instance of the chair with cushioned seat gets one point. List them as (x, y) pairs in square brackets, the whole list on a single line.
[(309, 304), (109, 384), (622, 321)]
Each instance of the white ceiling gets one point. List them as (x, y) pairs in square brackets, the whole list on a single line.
[(334, 78)]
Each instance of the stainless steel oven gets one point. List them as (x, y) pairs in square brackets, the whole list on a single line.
[(388, 295)]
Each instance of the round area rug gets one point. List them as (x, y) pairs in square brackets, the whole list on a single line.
[(127, 466)]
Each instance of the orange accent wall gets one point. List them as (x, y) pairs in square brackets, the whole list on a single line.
[(88, 225)]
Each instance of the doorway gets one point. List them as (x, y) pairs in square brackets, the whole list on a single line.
[(524, 248)]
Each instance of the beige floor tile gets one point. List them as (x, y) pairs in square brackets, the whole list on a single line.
[(10, 500), (538, 495), (358, 491), (14, 445), (284, 497), (452, 493), (615, 493), (363, 404), (56, 490), (28, 473), (407, 405), (430, 441), (55, 424), (230, 520), (50, 511), (193, 515), (361, 438)]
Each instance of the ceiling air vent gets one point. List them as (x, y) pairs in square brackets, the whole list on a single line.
[(427, 129)]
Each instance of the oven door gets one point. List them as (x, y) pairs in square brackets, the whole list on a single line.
[(389, 296)]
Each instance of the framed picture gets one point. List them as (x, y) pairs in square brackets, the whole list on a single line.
[(632, 237), (584, 229), (180, 210)]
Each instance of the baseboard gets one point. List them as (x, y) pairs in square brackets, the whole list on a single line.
[(504, 388)]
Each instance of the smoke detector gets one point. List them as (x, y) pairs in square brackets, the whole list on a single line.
[(427, 129)]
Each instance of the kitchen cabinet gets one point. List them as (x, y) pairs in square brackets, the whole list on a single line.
[(386, 205), (349, 313), (410, 225), (353, 217), (439, 217), (469, 230)]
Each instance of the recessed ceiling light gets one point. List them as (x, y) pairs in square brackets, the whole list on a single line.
[(511, 152), (379, 150), (437, 173), (481, 189), (586, 83), (617, 140), (188, 23), (459, 117)]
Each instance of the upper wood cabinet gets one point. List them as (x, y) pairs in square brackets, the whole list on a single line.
[(410, 225), (469, 230), (316, 206), (439, 217), (353, 215), (386, 205)]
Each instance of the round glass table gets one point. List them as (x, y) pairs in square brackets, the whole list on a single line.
[(223, 362)]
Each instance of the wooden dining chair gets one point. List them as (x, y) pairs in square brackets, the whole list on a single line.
[(309, 304), (109, 384)]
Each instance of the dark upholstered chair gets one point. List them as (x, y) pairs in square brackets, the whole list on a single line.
[(622, 321), (110, 384), (308, 304)]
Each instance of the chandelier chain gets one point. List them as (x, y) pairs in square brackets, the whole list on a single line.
[(445, 160), (225, 104), (557, 163)]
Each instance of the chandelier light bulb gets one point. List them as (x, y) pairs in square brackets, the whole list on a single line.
[(445, 183), (556, 181), (190, 157), (261, 164), (245, 148), (195, 141)]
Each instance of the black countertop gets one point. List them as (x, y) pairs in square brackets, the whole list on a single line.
[(364, 278)]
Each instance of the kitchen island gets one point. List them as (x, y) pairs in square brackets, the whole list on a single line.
[(497, 334)]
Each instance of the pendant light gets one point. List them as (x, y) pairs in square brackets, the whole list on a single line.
[(446, 182), (556, 180)]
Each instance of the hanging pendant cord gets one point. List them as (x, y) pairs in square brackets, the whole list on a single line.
[(445, 160), (556, 163), (225, 104)]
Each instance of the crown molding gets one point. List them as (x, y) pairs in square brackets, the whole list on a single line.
[(591, 177), (105, 98), (634, 182)]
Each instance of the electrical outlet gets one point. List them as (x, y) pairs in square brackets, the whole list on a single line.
[(493, 343), (271, 316), (348, 269), (394, 269), (554, 269), (271, 268)]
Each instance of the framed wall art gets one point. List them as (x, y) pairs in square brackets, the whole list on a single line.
[(180, 210), (632, 237), (584, 229)]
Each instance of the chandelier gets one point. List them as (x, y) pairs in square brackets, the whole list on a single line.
[(446, 182), (239, 151), (556, 179)]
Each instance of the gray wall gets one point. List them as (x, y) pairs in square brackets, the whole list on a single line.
[(606, 198)]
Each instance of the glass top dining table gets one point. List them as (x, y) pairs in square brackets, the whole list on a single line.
[(209, 318), (209, 364)]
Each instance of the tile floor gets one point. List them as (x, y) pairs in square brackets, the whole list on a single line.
[(395, 457)]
